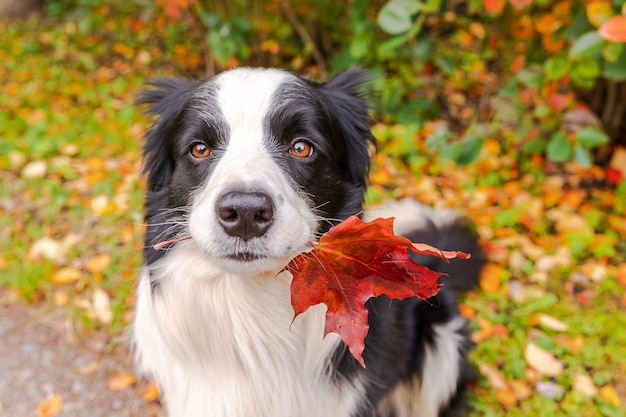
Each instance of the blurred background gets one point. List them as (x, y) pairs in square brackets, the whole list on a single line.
[(511, 112)]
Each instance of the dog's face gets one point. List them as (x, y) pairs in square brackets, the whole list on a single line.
[(252, 164)]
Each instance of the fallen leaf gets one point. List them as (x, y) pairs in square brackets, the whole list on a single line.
[(521, 389), (66, 276), (574, 344), (467, 311), (101, 304), (506, 396), (98, 263), (60, 298), (584, 384), (50, 407), (493, 375), (491, 278), (552, 323), (34, 169), (353, 262), (542, 361), (121, 381), (609, 395), (151, 392), (45, 248)]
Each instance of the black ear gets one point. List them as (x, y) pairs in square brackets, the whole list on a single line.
[(349, 107), (165, 99)]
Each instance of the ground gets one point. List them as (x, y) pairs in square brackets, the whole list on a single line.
[(37, 343)]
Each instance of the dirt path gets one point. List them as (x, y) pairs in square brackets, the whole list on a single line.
[(40, 356)]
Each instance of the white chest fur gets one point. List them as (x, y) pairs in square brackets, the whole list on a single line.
[(224, 345)]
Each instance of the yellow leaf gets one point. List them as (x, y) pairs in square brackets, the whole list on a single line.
[(121, 381), (50, 407), (598, 11), (609, 395), (542, 361), (66, 276), (98, 263)]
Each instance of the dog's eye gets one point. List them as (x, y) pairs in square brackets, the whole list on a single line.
[(301, 149), (200, 150)]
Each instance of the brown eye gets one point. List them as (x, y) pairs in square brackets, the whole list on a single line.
[(301, 149), (200, 150)]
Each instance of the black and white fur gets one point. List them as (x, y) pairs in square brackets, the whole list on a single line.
[(213, 323)]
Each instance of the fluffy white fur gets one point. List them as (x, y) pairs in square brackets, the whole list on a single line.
[(230, 348)]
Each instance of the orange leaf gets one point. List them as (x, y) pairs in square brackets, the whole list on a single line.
[(491, 278), (121, 381), (151, 393), (50, 407), (494, 6), (98, 263), (522, 28), (614, 29), (507, 396)]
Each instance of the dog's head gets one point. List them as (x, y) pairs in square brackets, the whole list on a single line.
[(253, 163)]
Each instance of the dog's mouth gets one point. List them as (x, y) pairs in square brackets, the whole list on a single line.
[(245, 256)]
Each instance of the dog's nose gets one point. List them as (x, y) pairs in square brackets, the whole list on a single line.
[(245, 214)]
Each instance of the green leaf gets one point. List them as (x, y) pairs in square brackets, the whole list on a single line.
[(616, 71), (534, 146), (530, 77), (582, 156), (613, 50), (395, 17), (586, 72), (557, 67), (559, 149), (470, 150), (590, 137), (451, 151), (586, 45)]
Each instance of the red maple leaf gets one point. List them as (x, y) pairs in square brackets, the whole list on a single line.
[(353, 262)]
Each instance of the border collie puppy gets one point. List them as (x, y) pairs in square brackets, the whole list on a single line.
[(249, 166)]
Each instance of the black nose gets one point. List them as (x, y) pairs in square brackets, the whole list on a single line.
[(245, 215)]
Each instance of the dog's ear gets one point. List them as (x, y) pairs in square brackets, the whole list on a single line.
[(347, 99), (165, 98)]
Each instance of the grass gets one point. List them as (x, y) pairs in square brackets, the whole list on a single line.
[(71, 212)]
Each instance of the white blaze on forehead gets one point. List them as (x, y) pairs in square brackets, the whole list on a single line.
[(244, 96)]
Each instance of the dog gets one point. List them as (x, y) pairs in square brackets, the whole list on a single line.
[(243, 170)]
